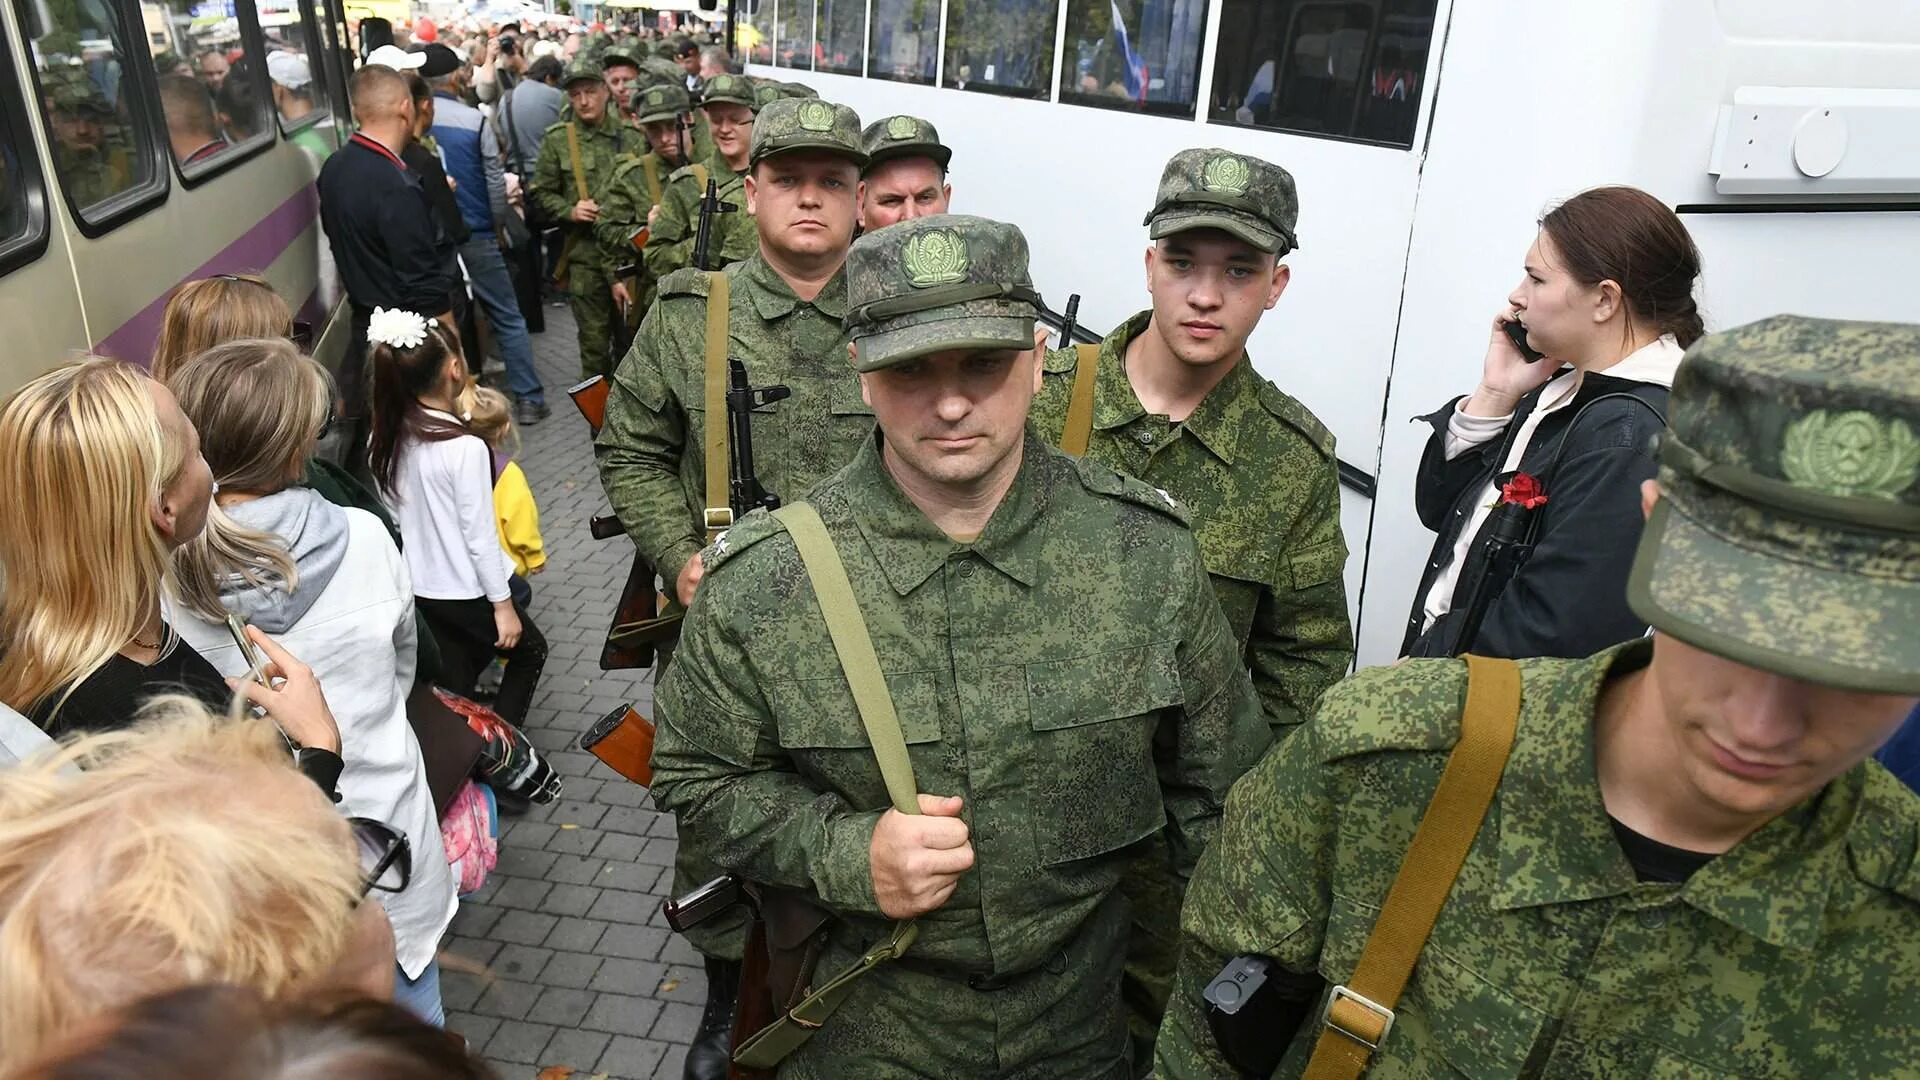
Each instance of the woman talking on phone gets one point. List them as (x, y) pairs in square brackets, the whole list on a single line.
[(1607, 307)]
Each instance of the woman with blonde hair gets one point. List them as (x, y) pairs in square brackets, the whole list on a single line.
[(102, 477), (181, 850), (204, 313), (329, 583)]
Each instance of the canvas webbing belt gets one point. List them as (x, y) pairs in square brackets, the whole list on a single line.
[(851, 642), (1080, 403), (1359, 1014)]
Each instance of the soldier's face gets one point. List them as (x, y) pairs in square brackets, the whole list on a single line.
[(803, 203), (664, 137), (620, 84), (78, 130), (901, 190), (1752, 744), (732, 127), (589, 100), (954, 419), (1209, 290)]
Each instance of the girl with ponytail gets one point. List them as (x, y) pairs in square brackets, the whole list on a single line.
[(1608, 298)]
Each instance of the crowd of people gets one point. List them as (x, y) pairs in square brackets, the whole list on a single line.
[(1027, 718)]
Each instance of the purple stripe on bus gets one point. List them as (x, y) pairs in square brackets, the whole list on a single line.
[(254, 250)]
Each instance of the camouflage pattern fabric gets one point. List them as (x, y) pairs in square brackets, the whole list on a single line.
[(663, 101), (1069, 671), (553, 190), (670, 245), (1252, 199), (903, 137), (796, 124), (729, 89), (623, 211), (1791, 955), (916, 288), (1788, 534)]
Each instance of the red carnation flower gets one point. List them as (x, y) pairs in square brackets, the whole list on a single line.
[(1525, 490)]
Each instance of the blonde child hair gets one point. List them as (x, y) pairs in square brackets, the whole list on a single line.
[(491, 417)]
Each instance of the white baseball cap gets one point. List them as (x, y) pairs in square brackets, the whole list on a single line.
[(396, 58), (290, 70)]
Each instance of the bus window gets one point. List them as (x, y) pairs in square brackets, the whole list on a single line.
[(1001, 46), (23, 218), (1133, 54), (756, 30), (1349, 70), (295, 62), (793, 35), (906, 40), (843, 37), (100, 129), (212, 90)]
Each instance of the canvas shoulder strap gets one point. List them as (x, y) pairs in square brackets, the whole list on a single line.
[(699, 177), (848, 628), (719, 516), (1079, 427), (573, 157), (1360, 1013), (651, 166)]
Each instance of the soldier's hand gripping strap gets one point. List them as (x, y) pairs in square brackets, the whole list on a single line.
[(1359, 1014), (848, 629), (719, 515), (1080, 403)]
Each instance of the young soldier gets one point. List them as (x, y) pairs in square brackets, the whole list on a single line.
[(1689, 867), (576, 160), (621, 69), (784, 324), (906, 173), (636, 187), (1176, 402), (1064, 681), (728, 104)]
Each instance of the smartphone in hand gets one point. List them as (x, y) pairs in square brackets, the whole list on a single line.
[(1517, 333), (248, 652)]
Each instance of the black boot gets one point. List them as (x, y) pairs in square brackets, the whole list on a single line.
[(712, 1045)]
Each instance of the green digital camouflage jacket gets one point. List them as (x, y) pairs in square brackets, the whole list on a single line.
[(650, 451), (623, 213), (670, 247), (1257, 475), (1068, 672), (1795, 954), (553, 190)]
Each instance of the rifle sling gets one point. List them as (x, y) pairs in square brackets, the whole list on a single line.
[(719, 515), (1359, 1014), (573, 156), (861, 666), (650, 165), (1080, 403)]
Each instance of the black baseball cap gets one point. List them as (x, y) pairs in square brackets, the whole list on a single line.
[(440, 61)]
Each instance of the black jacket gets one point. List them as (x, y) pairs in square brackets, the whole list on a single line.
[(1570, 597), (392, 250)]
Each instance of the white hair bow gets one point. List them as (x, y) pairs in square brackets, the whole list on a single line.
[(396, 329)]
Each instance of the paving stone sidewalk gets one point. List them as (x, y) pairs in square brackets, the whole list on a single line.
[(562, 957)]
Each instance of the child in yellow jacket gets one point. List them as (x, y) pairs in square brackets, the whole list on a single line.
[(516, 516)]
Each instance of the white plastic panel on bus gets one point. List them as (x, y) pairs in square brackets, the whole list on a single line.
[(1833, 265), (1813, 142)]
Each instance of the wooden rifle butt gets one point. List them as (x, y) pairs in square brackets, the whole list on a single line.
[(623, 740)]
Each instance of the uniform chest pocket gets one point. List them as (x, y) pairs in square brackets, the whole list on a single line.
[(1094, 719), (820, 726), (844, 399)]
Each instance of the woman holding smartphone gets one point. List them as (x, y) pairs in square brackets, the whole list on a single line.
[(1607, 297), (329, 582)]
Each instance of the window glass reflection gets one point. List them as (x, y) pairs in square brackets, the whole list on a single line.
[(1001, 46), (1142, 55)]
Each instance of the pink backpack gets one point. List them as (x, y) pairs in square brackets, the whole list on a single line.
[(470, 829)]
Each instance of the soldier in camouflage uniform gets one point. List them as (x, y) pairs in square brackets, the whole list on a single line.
[(728, 104), (635, 189), (603, 138), (1691, 867), (620, 67), (906, 174), (1064, 679), (89, 145), (784, 321), (1254, 468)]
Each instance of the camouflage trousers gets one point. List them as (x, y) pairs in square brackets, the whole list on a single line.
[(593, 316), (723, 937), (1153, 895), (1060, 1021)]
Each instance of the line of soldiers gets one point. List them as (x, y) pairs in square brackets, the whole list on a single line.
[(1087, 650)]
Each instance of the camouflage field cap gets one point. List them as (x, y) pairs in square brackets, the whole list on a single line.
[(69, 90), (662, 101), (583, 70), (949, 281), (728, 89), (655, 70), (792, 124), (1217, 189), (1787, 535), (619, 54), (902, 137)]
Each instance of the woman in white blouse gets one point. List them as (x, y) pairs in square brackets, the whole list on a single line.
[(1608, 299)]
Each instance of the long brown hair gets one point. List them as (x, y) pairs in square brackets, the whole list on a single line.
[(259, 405), (204, 313), (1624, 235), (400, 376)]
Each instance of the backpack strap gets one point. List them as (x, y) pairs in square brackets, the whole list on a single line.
[(1079, 427), (719, 515), (1359, 1014)]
